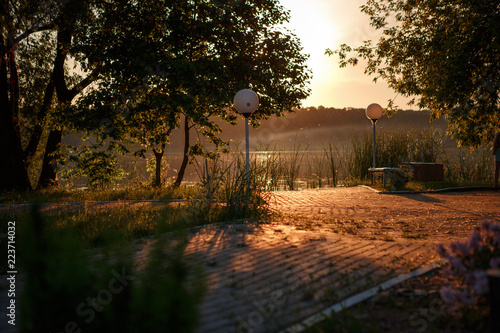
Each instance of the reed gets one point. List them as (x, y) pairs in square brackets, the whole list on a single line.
[(463, 164), (292, 166), (228, 192), (334, 162), (297, 166), (392, 148), (268, 167)]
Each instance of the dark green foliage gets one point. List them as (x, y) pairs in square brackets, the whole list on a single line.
[(77, 195), (445, 54), (98, 167), (166, 296), (140, 66), (69, 284)]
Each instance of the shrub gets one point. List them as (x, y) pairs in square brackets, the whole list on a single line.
[(225, 193), (98, 167), (468, 262)]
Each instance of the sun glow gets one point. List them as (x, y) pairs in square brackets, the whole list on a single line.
[(313, 25), (326, 24)]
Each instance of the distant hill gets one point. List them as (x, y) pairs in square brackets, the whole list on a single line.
[(306, 128), (310, 126)]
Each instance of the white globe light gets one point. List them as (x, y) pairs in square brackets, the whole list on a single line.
[(374, 111), (246, 102)]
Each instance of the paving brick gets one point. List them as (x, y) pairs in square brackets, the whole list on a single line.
[(298, 267), (322, 246)]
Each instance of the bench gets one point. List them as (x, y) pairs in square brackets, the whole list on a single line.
[(384, 172), (425, 172)]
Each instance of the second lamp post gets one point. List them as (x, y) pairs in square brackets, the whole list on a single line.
[(374, 112)]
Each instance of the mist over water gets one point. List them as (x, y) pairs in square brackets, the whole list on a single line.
[(308, 131)]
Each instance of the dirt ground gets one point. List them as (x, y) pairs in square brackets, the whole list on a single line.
[(414, 306)]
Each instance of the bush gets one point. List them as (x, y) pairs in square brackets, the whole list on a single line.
[(468, 262), (98, 167), (225, 193)]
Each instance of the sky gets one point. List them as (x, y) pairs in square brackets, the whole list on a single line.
[(323, 24)]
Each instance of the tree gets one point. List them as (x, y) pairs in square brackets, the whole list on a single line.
[(138, 76), (28, 96), (201, 53), (14, 173), (444, 54)]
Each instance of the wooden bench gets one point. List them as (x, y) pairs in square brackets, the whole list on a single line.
[(384, 172), (425, 172)]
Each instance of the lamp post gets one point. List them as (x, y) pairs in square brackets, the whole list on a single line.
[(374, 112), (246, 102)]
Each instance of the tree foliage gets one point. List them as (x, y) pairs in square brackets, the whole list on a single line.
[(127, 71), (444, 54)]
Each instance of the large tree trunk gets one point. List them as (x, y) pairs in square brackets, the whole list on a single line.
[(158, 158), (185, 158), (14, 175), (48, 176), (32, 147)]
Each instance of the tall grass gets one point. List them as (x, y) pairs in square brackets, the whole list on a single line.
[(347, 164), (463, 164), (334, 162), (281, 168), (295, 166), (292, 166), (228, 192), (392, 148), (267, 167), (70, 286), (81, 195)]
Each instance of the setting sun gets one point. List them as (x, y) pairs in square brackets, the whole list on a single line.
[(323, 24)]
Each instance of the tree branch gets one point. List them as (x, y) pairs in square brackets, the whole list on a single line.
[(30, 31), (84, 83)]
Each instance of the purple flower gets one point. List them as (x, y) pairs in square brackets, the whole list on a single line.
[(474, 240), (480, 284), (485, 225), (495, 262), (464, 259), (462, 249), (442, 251), (468, 278), (467, 298), (494, 227), (496, 239), (457, 264), (448, 295)]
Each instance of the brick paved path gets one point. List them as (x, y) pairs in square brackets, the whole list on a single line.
[(324, 246), (264, 278), (367, 214), (321, 247)]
